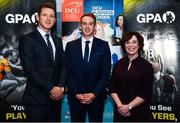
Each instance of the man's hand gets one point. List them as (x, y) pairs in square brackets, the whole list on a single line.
[(79, 96), (86, 98), (89, 97), (56, 93)]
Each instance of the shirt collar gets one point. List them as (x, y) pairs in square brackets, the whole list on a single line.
[(84, 40), (42, 32)]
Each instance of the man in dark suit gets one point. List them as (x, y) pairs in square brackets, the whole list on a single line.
[(42, 59), (89, 62)]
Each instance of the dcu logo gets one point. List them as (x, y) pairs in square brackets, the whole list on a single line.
[(168, 17)]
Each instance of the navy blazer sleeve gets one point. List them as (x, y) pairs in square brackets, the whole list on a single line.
[(63, 67), (71, 81)]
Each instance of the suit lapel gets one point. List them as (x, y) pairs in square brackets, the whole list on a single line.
[(41, 39), (57, 47), (55, 44), (93, 49), (43, 43), (79, 50)]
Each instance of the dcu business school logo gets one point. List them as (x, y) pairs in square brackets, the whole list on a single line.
[(167, 17)]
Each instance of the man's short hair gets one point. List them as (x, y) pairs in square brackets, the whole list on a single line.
[(89, 15), (46, 5)]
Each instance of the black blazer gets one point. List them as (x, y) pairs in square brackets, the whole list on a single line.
[(91, 77), (42, 74)]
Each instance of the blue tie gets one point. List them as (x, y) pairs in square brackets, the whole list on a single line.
[(86, 53), (49, 47)]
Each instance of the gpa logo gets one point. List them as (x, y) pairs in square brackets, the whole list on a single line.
[(20, 18), (168, 17)]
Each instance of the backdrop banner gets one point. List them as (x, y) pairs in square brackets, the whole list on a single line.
[(17, 18), (159, 19)]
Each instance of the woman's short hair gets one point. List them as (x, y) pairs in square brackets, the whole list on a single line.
[(140, 39)]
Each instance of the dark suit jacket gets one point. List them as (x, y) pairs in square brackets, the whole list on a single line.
[(42, 74), (91, 77)]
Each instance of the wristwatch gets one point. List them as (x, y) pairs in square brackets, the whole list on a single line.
[(129, 107)]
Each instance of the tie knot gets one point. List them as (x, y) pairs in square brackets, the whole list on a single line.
[(87, 42)]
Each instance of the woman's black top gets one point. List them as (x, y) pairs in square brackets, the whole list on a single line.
[(128, 84)]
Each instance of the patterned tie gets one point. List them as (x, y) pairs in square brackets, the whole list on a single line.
[(86, 53), (49, 47)]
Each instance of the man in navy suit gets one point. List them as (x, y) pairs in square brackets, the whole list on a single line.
[(42, 59), (88, 73)]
